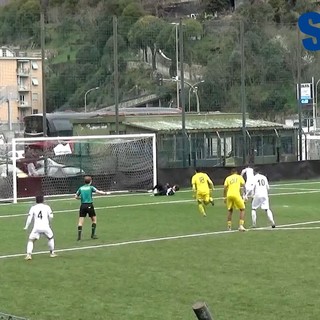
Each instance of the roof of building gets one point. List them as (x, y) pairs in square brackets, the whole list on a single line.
[(201, 124)]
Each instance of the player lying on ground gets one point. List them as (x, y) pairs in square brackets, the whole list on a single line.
[(166, 190)]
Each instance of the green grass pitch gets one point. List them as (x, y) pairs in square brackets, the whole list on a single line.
[(156, 256)]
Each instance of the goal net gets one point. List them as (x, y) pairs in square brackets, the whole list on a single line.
[(56, 165)]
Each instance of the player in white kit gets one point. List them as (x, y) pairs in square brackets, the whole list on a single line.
[(248, 174), (261, 199), (41, 214)]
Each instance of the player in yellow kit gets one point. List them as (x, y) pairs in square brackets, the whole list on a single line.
[(232, 197), (202, 187)]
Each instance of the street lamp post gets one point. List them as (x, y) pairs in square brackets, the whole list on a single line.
[(85, 97), (194, 88), (191, 87), (177, 61)]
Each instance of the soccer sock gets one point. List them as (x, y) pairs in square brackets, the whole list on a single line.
[(93, 229), (79, 232), (254, 217), (241, 222), (229, 224), (51, 245), (201, 208), (270, 216), (29, 247)]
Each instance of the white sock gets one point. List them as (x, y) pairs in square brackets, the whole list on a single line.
[(254, 217), (270, 216), (30, 247), (51, 245)]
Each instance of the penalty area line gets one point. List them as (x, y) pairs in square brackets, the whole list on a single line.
[(293, 226)]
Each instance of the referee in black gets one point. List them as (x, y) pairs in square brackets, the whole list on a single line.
[(84, 193)]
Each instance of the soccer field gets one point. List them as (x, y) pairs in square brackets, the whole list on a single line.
[(156, 256)]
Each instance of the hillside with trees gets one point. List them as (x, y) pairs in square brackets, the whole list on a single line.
[(80, 44)]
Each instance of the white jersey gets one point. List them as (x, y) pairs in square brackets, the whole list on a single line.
[(249, 174), (41, 214), (261, 186)]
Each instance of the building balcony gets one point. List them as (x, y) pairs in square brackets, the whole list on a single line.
[(23, 88), (24, 104), (23, 72)]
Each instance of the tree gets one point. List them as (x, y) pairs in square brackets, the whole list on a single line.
[(143, 35), (193, 33)]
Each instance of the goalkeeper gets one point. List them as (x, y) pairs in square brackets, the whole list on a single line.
[(166, 190)]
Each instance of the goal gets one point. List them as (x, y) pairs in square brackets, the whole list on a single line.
[(55, 166)]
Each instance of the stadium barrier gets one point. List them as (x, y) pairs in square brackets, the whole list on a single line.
[(298, 170)]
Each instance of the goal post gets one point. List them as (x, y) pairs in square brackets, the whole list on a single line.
[(56, 165)]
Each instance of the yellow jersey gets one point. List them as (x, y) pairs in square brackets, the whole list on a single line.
[(201, 183), (233, 183)]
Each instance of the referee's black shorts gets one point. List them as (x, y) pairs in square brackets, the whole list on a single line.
[(87, 209)]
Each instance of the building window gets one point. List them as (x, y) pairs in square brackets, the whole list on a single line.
[(211, 146), (35, 82), (35, 111), (35, 96), (4, 52), (287, 145), (269, 146), (34, 65)]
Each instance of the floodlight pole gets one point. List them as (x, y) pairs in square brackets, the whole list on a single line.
[(177, 65), (243, 95), (116, 71), (183, 107), (43, 7), (299, 95)]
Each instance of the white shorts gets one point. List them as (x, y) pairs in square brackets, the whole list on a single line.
[(36, 233), (260, 202)]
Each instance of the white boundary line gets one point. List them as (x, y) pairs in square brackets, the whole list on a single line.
[(151, 204), (152, 240)]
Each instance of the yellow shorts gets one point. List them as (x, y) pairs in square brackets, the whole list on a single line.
[(235, 202), (203, 197)]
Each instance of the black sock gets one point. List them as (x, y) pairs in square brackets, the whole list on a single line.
[(93, 229), (79, 232)]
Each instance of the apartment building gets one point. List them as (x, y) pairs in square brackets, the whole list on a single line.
[(20, 85)]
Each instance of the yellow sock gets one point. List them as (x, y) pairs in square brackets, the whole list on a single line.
[(229, 223), (241, 222), (201, 209)]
